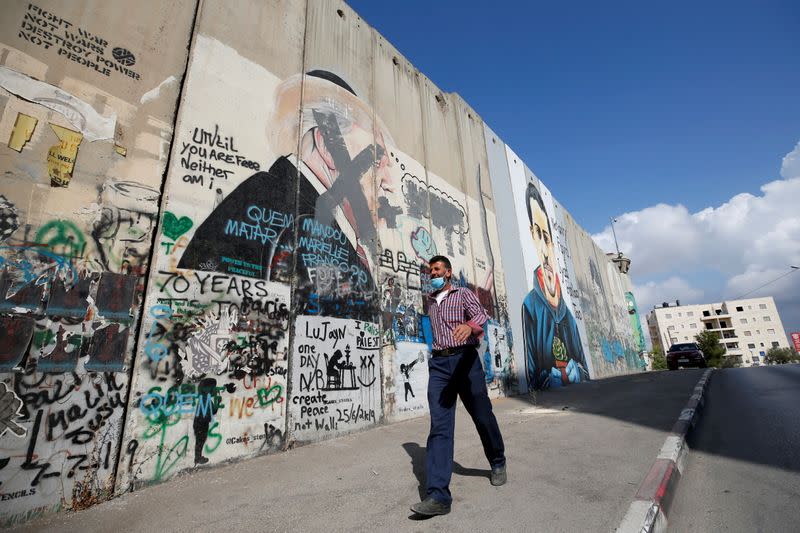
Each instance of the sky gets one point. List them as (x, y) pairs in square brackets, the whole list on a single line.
[(680, 120)]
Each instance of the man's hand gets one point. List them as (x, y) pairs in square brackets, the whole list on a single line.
[(461, 333), (555, 378), (573, 372)]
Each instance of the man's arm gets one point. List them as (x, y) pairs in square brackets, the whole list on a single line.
[(475, 315)]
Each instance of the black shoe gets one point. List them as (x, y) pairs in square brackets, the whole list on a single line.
[(200, 460), (498, 476), (430, 507)]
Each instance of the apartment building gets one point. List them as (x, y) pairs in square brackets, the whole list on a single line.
[(747, 328)]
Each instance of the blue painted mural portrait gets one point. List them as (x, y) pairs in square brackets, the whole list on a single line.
[(553, 351)]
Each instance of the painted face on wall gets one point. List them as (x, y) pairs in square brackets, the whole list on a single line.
[(545, 249), (354, 148), (359, 139)]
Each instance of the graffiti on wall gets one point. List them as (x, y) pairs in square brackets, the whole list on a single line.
[(336, 385), (212, 381), (65, 427), (497, 361), (411, 378)]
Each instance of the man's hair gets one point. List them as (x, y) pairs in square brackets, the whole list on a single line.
[(533, 193), (442, 259)]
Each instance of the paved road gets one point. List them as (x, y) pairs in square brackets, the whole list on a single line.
[(575, 460), (744, 469)]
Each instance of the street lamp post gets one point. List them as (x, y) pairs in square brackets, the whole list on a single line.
[(616, 244)]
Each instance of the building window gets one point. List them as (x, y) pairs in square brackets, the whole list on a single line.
[(762, 344), (747, 334), (743, 321), (723, 324), (686, 338), (774, 344), (751, 346), (680, 314), (771, 331), (693, 325), (740, 308), (706, 313), (762, 306), (671, 328), (689, 313), (758, 332), (708, 325), (767, 319), (668, 315)]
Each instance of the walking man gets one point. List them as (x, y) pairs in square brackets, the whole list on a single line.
[(455, 370)]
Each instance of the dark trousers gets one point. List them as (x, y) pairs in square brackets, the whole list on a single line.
[(458, 375)]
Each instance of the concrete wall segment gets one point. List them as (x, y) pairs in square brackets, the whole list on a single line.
[(510, 250), (78, 221), (397, 98), (211, 379)]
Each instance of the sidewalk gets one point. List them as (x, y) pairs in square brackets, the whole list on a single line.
[(575, 461)]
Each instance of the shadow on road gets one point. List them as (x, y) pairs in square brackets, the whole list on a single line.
[(417, 455), (653, 399), (750, 413)]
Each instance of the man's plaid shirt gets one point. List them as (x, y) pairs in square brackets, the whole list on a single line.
[(459, 306)]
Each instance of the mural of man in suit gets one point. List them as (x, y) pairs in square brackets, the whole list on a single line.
[(553, 350), (325, 186)]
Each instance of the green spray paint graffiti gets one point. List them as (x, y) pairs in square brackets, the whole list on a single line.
[(636, 323), (174, 227), (159, 422), (62, 237)]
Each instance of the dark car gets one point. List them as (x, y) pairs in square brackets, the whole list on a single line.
[(685, 354)]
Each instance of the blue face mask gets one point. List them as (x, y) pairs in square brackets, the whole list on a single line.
[(437, 283)]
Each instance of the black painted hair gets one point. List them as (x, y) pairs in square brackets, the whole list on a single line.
[(442, 259), (333, 78), (532, 192)]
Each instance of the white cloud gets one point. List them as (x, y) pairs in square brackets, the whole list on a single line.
[(748, 240), (650, 293), (790, 168)]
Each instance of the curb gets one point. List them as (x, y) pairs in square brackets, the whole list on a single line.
[(648, 512)]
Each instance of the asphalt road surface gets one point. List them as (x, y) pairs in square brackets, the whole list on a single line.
[(744, 470)]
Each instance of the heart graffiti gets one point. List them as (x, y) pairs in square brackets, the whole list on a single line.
[(174, 227)]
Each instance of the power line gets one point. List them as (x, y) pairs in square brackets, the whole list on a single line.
[(792, 270)]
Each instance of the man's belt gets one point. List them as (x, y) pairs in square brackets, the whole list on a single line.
[(451, 351)]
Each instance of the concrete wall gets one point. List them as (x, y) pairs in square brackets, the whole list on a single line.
[(89, 93), (590, 326), (214, 229)]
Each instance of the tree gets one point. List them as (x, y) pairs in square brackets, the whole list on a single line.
[(709, 343), (659, 361), (780, 356), (730, 361)]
